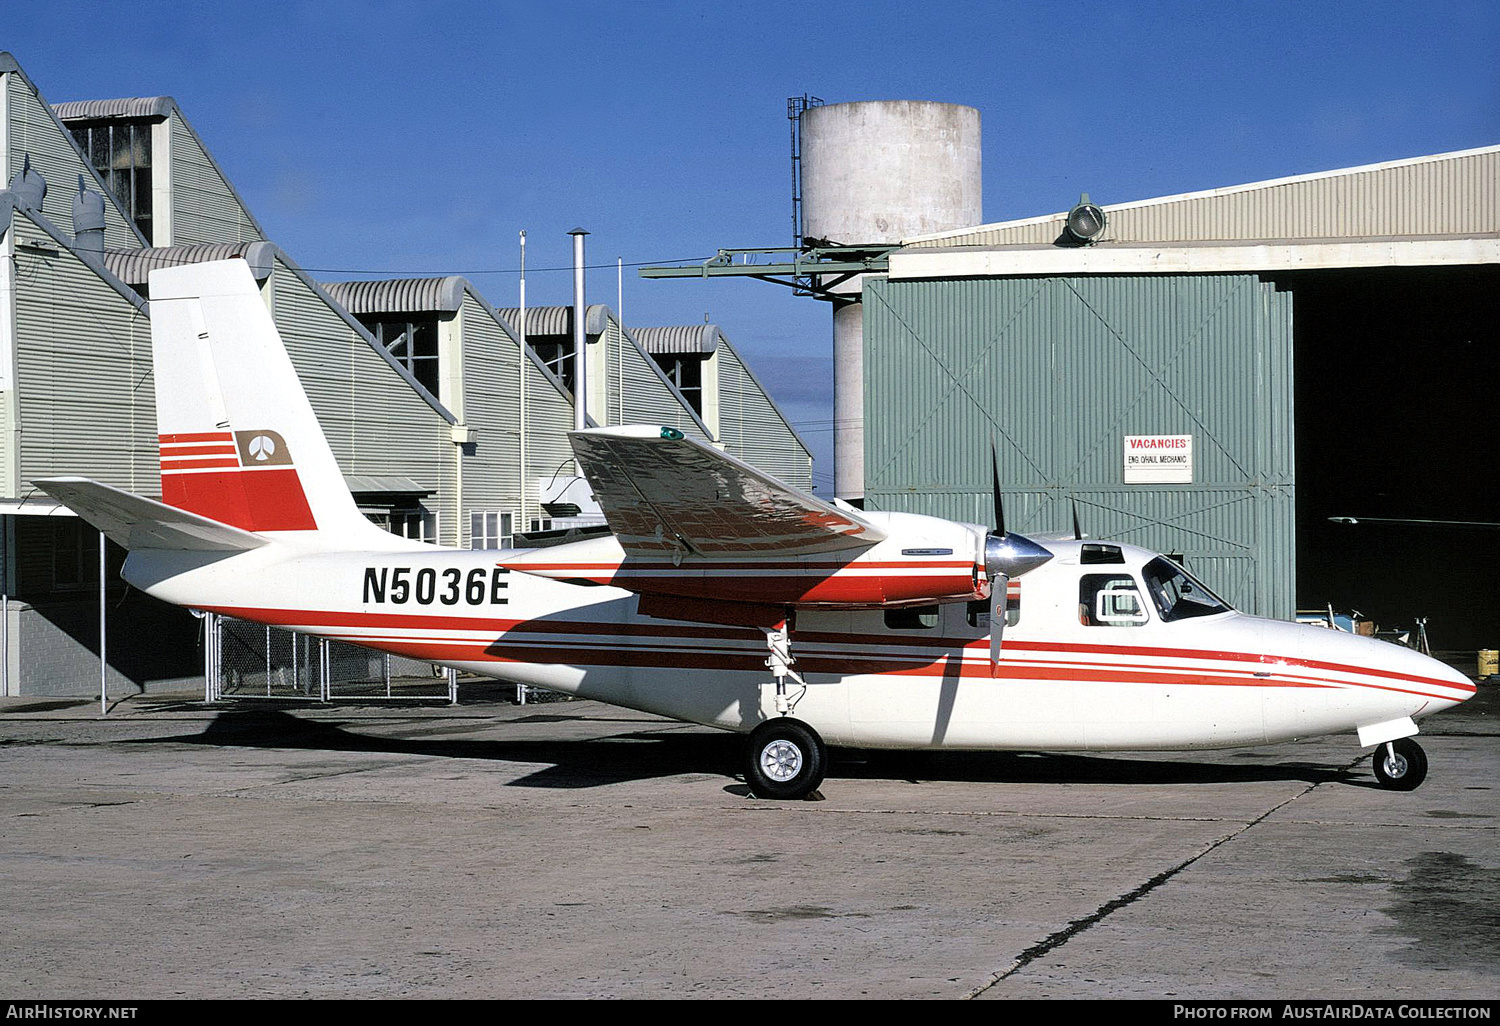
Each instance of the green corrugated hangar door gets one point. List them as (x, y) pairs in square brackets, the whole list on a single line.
[(1068, 375)]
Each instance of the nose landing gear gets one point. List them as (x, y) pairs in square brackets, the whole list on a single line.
[(1400, 765)]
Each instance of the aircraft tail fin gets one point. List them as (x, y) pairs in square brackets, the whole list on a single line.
[(240, 444)]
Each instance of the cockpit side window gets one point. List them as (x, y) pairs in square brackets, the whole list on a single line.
[(1177, 594), (1110, 600)]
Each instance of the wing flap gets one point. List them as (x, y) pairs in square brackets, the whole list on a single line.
[(666, 494), (134, 522)]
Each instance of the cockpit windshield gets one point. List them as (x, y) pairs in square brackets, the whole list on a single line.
[(1178, 594)]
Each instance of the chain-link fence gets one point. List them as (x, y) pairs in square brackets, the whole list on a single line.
[(251, 660)]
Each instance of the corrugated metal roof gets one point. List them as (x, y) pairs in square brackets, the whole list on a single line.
[(400, 295), (8, 210), (556, 320), (378, 484), (130, 107), (1445, 194), (679, 338), (134, 266)]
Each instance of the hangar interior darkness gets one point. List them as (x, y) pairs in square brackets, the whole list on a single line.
[(1396, 377)]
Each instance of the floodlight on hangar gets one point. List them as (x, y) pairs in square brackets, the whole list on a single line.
[(1086, 221)]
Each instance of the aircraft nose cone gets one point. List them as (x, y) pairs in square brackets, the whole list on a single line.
[(1457, 678), (1433, 683), (1012, 554)]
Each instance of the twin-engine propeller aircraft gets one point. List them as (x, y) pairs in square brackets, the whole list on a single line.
[(724, 597)]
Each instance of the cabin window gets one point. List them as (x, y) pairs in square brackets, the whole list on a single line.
[(912, 618), (1094, 553), (1110, 600), (1178, 594)]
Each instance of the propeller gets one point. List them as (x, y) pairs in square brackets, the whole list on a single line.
[(1005, 556)]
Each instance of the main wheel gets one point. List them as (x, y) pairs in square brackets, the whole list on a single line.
[(1400, 765), (785, 759)]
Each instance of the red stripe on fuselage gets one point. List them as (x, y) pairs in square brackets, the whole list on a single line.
[(567, 652)]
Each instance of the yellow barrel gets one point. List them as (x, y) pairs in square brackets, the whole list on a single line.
[(1489, 662)]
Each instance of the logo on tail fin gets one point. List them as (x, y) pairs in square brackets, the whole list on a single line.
[(230, 478), (262, 449)]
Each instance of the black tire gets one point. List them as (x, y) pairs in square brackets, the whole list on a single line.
[(785, 759), (1400, 765)]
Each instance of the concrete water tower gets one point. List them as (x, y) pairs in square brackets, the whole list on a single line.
[(878, 172)]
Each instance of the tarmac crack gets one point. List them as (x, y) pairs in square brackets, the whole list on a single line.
[(1077, 926)]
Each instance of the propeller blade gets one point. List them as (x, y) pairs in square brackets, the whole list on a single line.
[(995, 485), (1077, 531), (999, 590)]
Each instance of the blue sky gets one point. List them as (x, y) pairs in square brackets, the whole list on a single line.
[(420, 138)]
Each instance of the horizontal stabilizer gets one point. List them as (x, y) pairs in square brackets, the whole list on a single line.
[(133, 522), (665, 494)]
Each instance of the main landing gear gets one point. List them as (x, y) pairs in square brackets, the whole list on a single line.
[(1400, 765), (785, 759)]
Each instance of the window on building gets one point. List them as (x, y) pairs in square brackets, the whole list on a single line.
[(414, 344), (558, 356), (121, 152), (75, 554), (491, 530), (686, 372), (418, 525)]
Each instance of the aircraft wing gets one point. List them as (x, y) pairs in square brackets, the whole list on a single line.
[(133, 522), (666, 494)]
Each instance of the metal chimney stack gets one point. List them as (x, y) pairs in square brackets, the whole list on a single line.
[(580, 357), (29, 186), (88, 220)]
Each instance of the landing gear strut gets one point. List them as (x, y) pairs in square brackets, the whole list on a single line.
[(785, 759), (1400, 765)]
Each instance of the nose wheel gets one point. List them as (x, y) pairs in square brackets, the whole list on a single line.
[(785, 759), (1400, 765)]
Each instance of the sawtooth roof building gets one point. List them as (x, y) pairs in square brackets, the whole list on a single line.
[(448, 427)]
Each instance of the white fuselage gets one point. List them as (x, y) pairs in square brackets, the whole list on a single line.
[(1218, 680)]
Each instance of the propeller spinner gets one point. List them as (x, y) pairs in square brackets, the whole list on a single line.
[(1005, 556)]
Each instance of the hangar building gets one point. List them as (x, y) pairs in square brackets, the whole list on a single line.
[(1319, 346), (447, 428), (1213, 375)]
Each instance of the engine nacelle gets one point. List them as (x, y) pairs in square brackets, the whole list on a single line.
[(923, 560)]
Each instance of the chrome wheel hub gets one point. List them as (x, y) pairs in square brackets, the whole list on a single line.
[(781, 761), (1395, 765)]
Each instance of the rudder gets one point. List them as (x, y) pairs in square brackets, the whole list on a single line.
[(239, 441)]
